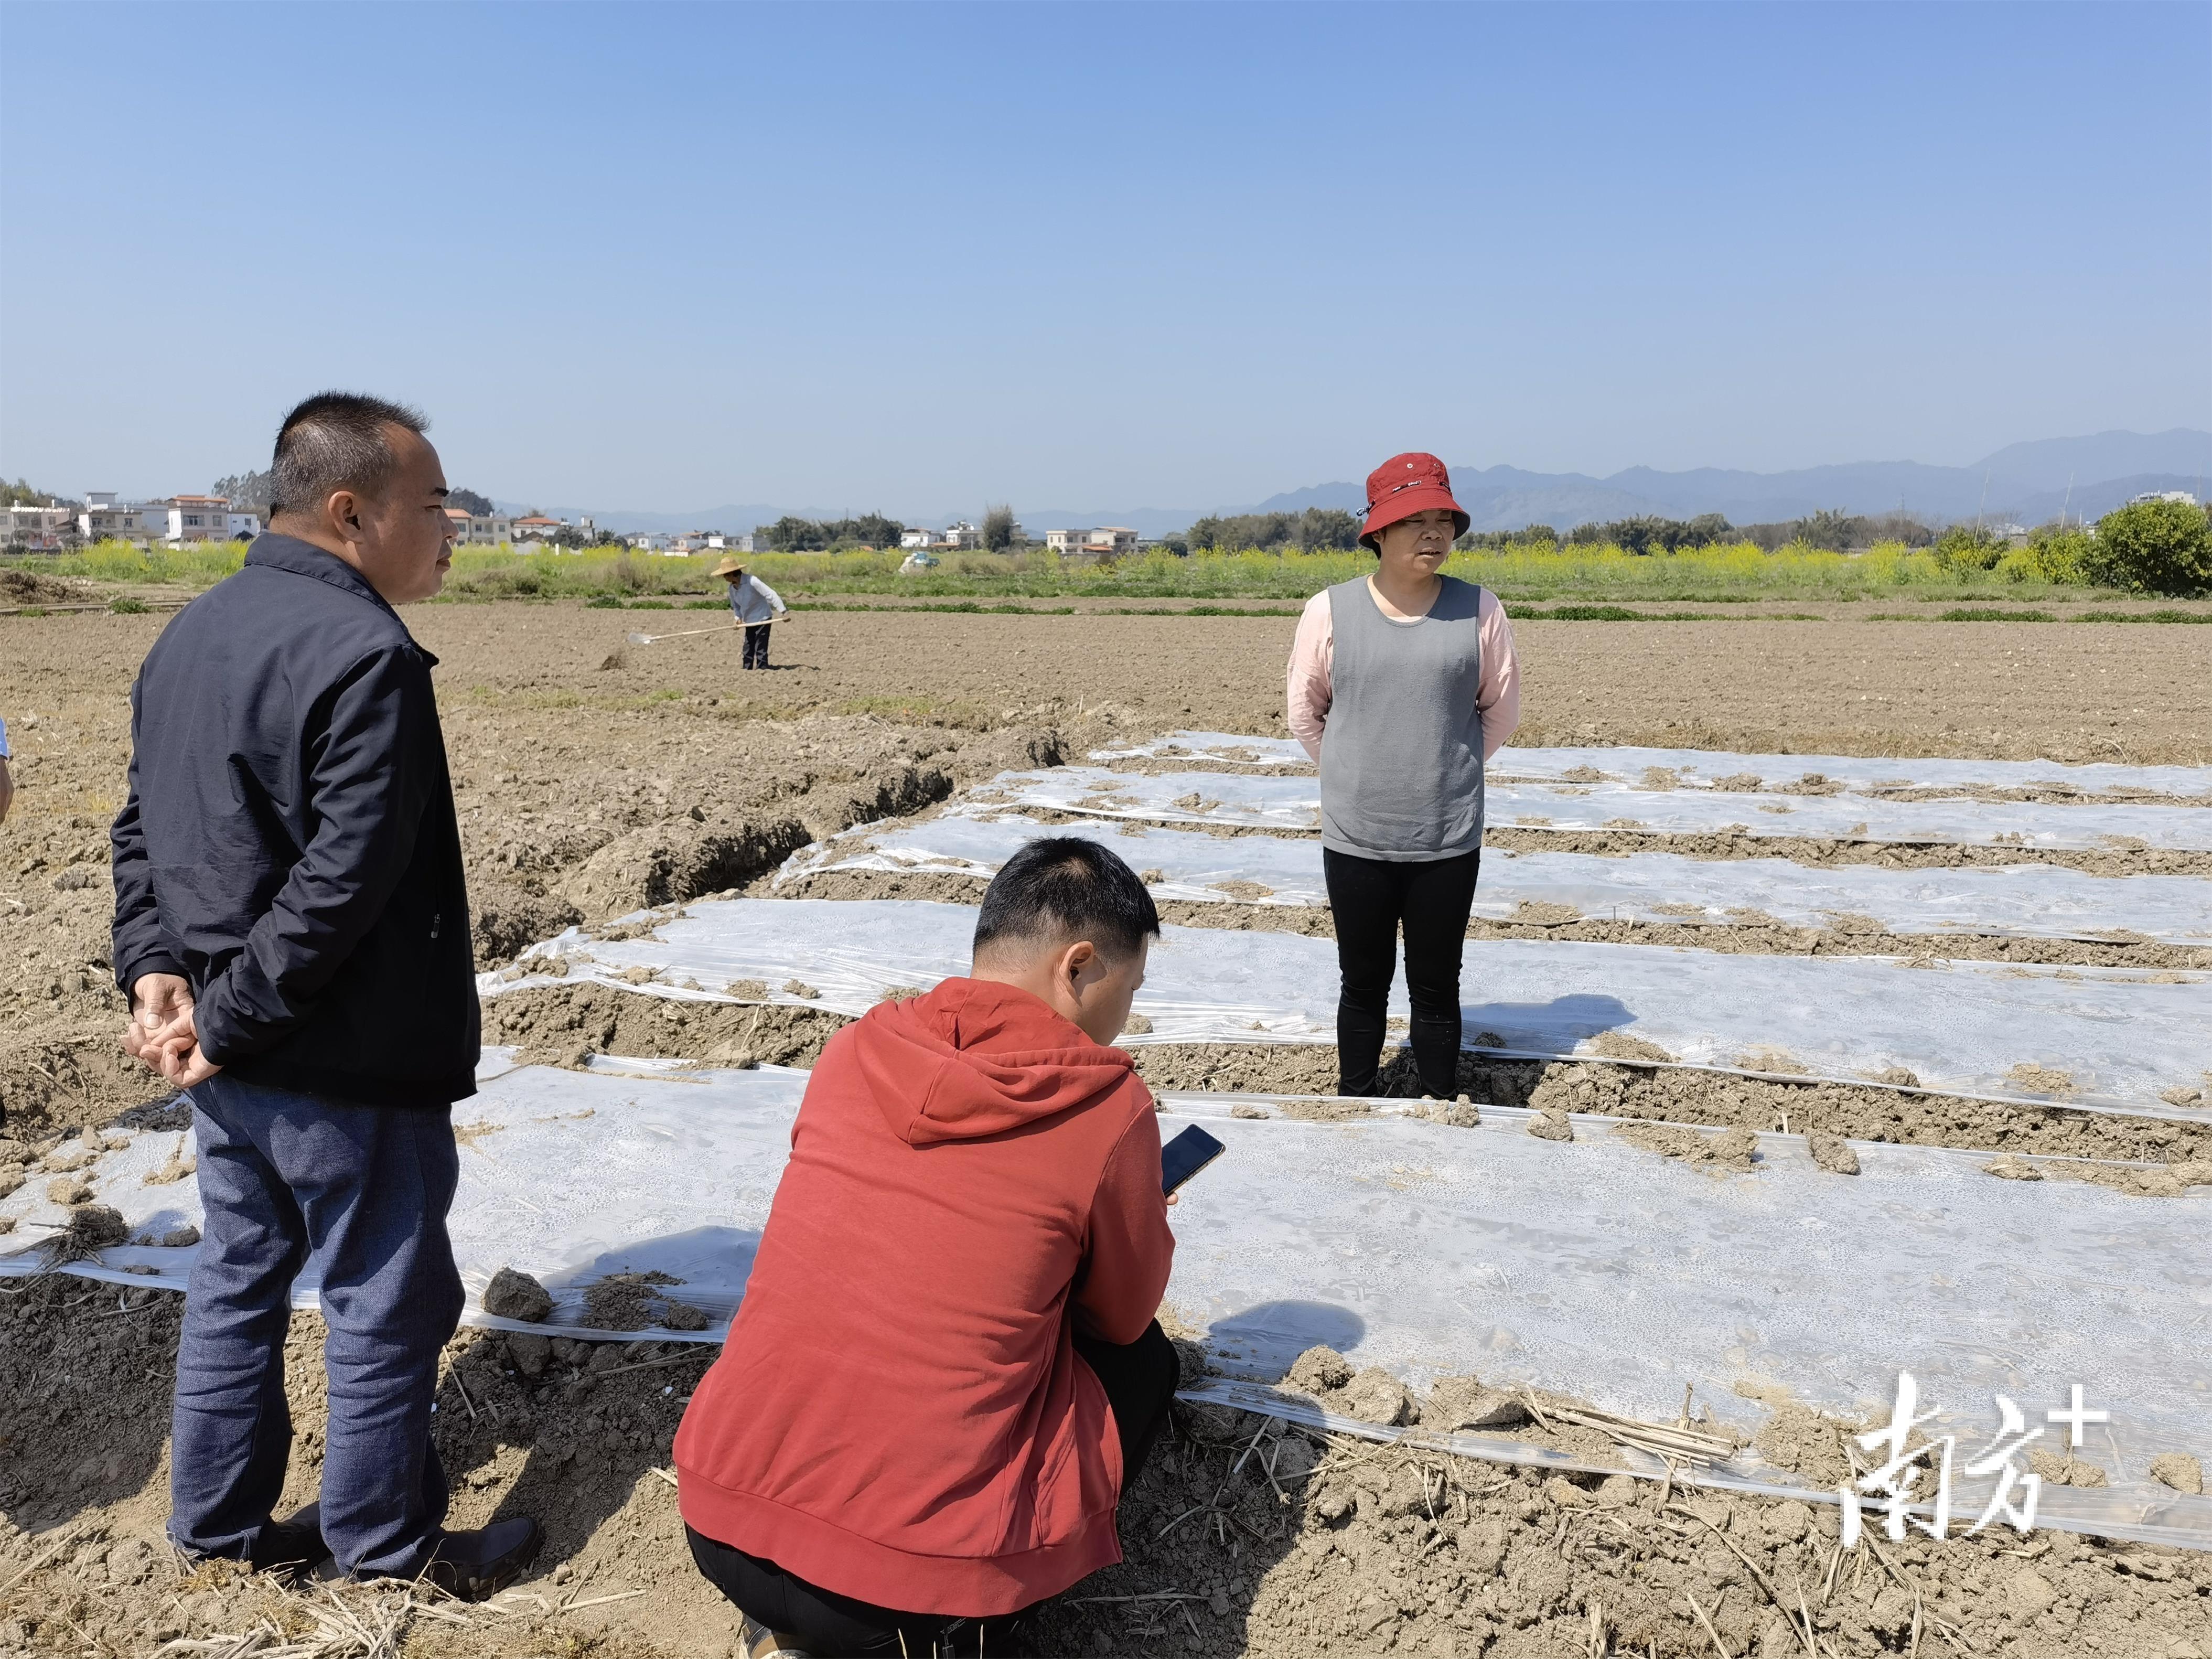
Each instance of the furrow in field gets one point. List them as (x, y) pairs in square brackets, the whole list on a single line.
[(2095, 1038)]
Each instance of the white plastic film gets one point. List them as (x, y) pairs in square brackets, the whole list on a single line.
[(1698, 767), (2122, 1037), (1596, 1267), (2032, 900), (1274, 801)]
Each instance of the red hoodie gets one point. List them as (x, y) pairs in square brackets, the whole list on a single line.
[(899, 1415)]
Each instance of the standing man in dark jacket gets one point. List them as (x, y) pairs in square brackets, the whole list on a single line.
[(291, 929)]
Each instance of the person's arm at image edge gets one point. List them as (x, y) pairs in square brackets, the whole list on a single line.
[(6, 783), (1497, 696), (1129, 1250), (369, 799), (1307, 693)]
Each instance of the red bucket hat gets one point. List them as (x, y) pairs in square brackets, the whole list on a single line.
[(1404, 485)]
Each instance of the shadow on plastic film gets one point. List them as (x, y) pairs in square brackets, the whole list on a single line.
[(600, 1413), (1556, 1026), (1261, 1342)]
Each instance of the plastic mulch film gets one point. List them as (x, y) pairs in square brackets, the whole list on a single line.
[(1699, 767), (632, 1167), (2030, 900), (1595, 1268), (2121, 1037), (1275, 801)]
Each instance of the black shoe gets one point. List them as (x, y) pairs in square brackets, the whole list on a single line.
[(472, 1565), (292, 1546), (295, 1545)]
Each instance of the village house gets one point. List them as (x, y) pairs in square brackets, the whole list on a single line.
[(532, 531), (197, 517), (478, 529), (106, 519), (39, 529), (1107, 542)]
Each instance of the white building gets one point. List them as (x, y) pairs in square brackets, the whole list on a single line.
[(196, 518), (918, 538), (536, 527), (2163, 495), (1107, 542), (241, 526), (958, 537), (106, 519), (41, 529), (479, 529)]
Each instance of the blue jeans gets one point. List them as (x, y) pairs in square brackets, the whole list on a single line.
[(360, 1192)]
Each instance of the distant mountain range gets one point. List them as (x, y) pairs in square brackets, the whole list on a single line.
[(2025, 482)]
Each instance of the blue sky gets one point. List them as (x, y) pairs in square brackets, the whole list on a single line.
[(913, 257)]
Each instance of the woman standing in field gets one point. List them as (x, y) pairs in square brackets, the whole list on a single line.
[(1402, 684)]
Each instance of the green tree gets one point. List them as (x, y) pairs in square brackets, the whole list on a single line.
[(795, 534), (1831, 529), (249, 492), (2155, 547), (468, 500), (1969, 547), (997, 528), (870, 529), (1327, 526)]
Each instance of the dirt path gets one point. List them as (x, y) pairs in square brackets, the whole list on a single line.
[(597, 777)]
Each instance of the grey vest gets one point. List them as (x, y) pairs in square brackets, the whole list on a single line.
[(1401, 750)]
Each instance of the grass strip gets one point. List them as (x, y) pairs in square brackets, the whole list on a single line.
[(2144, 617), (1978, 615)]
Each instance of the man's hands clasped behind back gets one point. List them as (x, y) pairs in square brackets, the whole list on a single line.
[(162, 1031)]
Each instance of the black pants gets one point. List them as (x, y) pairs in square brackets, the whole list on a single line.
[(756, 645), (1370, 899), (1139, 1379)]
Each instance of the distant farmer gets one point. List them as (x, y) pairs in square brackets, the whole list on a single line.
[(1402, 684), (292, 931), (946, 1369), (755, 605)]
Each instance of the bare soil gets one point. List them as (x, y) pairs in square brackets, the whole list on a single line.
[(597, 777)]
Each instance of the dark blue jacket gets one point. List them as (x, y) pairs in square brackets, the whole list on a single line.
[(289, 845)]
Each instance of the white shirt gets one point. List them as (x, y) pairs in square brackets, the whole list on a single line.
[(753, 600)]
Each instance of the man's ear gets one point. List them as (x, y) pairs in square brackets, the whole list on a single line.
[(342, 511), (1077, 957)]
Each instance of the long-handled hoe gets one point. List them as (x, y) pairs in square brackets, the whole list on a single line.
[(688, 633)]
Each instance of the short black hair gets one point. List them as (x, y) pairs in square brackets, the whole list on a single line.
[(1062, 887), (336, 440)]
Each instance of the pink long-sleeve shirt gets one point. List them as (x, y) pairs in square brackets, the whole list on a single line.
[(1313, 653)]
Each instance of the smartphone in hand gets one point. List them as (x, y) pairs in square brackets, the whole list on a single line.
[(1186, 1155)]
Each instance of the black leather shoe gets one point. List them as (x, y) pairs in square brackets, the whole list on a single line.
[(472, 1565), (292, 1546), (295, 1545)]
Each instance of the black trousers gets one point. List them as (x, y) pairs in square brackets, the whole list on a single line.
[(756, 645), (1139, 1379), (1371, 899)]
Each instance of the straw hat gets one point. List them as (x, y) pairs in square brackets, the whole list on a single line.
[(729, 568)]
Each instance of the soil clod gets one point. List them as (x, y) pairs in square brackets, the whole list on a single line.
[(514, 1295)]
